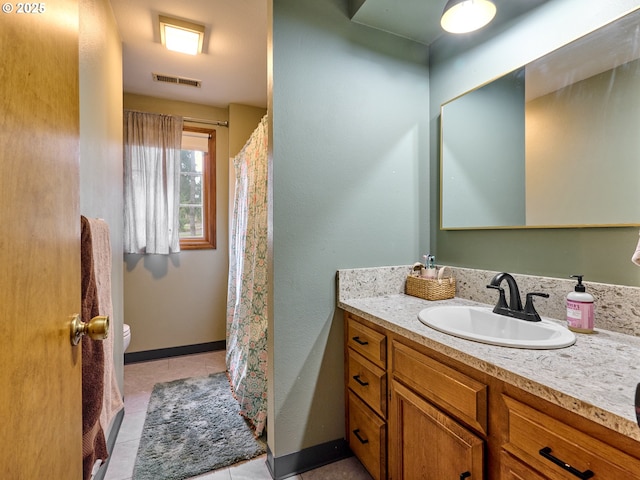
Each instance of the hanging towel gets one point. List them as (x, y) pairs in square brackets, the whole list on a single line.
[(636, 256), (100, 240), (93, 443)]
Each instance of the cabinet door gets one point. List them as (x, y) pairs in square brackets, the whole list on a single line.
[(425, 443)]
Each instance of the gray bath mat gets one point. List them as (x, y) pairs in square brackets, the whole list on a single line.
[(193, 426)]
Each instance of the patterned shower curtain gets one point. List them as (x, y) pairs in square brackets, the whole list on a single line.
[(247, 290)]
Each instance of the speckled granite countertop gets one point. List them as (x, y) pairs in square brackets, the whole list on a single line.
[(595, 378)]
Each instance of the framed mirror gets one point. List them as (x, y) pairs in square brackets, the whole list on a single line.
[(554, 144)]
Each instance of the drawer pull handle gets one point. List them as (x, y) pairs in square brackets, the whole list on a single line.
[(546, 453), (360, 342), (363, 441), (465, 475), (357, 379)]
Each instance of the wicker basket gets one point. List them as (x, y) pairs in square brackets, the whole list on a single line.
[(440, 288)]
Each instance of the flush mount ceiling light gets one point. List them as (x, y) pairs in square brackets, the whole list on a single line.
[(181, 36), (463, 16)]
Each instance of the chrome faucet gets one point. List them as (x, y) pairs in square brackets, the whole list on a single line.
[(514, 308)]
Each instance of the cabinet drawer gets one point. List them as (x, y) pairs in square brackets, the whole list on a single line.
[(454, 392), (367, 437), (512, 469), (367, 342), (368, 381), (560, 451)]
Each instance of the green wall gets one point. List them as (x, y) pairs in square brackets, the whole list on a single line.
[(601, 254), (484, 157), (349, 111)]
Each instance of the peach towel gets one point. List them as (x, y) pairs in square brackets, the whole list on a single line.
[(94, 446), (112, 400)]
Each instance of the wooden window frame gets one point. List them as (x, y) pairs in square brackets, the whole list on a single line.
[(208, 240)]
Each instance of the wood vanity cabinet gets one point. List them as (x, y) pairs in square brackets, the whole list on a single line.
[(366, 394), (512, 469), (424, 415), (437, 419), (553, 449)]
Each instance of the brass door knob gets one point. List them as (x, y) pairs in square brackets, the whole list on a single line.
[(97, 328)]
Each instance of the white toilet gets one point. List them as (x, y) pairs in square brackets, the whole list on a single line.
[(126, 337)]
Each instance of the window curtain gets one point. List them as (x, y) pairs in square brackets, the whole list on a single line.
[(247, 292), (152, 146)]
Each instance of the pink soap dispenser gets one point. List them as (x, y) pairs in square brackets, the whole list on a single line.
[(580, 314)]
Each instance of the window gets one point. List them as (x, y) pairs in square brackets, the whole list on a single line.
[(198, 188)]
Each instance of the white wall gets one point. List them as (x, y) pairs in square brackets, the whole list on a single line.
[(180, 299), (101, 140), (243, 120), (349, 115)]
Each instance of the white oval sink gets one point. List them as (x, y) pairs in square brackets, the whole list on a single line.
[(482, 325)]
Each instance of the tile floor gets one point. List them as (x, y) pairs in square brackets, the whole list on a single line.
[(139, 379)]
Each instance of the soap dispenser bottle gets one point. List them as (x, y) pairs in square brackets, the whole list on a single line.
[(430, 270), (580, 308)]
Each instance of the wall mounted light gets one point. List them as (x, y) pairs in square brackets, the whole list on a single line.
[(181, 36), (463, 16)]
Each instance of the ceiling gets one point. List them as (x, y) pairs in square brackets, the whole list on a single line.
[(233, 66)]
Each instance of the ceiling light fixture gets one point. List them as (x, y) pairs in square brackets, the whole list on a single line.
[(181, 36), (463, 16)]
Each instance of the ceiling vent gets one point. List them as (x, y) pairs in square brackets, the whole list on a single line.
[(158, 77)]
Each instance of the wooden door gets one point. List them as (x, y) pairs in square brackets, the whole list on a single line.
[(40, 372), (427, 444)]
